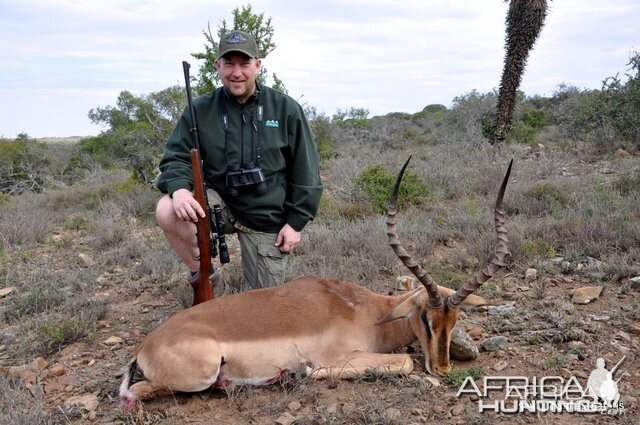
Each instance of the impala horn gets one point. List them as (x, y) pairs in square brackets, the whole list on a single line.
[(496, 262), (435, 300)]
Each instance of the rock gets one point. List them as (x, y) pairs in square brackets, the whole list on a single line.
[(286, 419), (433, 381), (495, 343), (88, 402), (634, 328), (623, 153), (114, 340), (39, 364), (567, 267), (85, 260), (462, 346), (475, 332), (530, 275), (501, 309), (457, 410), (566, 373), (405, 283), (56, 370), (6, 291), (500, 366), (392, 414), (294, 406), (623, 336), (621, 348), (586, 294)]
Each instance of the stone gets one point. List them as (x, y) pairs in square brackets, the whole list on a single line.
[(586, 294), (6, 291), (501, 309), (88, 402), (433, 381), (405, 283), (462, 346), (495, 343), (475, 332), (457, 410), (56, 370), (286, 419), (114, 340), (500, 366), (294, 406), (634, 328), (392, 414), (85, 260), (530, 275)]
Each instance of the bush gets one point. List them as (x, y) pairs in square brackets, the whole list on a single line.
[(376, 183), (456, 377), (628, 184), (23, 166), (543, 199)]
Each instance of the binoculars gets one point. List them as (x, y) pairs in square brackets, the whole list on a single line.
[(247, 176)]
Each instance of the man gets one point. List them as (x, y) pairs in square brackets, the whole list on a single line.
[(260, 158)]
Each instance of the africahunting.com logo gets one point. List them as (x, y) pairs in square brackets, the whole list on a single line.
[(549, 394)]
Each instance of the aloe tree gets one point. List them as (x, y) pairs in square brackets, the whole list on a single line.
[(524, 22)]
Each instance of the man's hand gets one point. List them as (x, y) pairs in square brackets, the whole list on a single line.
[(288, 238), (186, 207)]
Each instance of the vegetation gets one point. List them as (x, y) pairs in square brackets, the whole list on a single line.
[(376, 183), (574, 195)]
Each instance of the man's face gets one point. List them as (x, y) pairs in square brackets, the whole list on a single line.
[(238, 74)]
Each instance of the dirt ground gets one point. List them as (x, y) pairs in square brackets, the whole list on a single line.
[(547, 334)]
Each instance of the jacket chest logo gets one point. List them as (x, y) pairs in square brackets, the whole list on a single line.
[(272, 123)]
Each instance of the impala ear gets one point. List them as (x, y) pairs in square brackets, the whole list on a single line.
[(405, 308)]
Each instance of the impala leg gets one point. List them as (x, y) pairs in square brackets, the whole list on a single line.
[(359, 363), (181, 366)]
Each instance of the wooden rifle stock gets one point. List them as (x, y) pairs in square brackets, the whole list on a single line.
[(202, 290)]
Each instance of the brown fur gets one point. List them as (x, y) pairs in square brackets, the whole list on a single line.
[(328, 328)]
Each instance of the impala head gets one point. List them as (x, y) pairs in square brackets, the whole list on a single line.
[(433, 312)]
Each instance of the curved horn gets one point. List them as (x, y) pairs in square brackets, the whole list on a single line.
[(435, 300), (496, 262)]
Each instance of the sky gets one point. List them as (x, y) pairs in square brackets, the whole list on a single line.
[(61, 58)]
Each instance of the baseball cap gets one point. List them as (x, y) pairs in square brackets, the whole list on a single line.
[(238, 41)]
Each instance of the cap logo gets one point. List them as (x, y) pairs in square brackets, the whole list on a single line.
[(236, 38)]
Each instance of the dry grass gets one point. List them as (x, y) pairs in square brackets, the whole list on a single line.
[(558, 205)]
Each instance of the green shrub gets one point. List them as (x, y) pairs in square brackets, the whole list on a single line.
[(376, 183), (534, 118), (456, 377), (523, 133), (539, 248), (23, 166), (321, 129), (628, 184), (545, 198)]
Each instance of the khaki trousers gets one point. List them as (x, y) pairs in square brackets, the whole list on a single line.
[(263, 265)]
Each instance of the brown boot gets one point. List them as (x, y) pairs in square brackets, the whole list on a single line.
[(217, 280)]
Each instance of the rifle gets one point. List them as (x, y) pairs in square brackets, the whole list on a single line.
[(202, 290)]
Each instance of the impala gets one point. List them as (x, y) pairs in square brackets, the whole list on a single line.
[(318, 327)]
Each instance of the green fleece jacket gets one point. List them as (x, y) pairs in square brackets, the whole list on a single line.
[(281, 140)]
